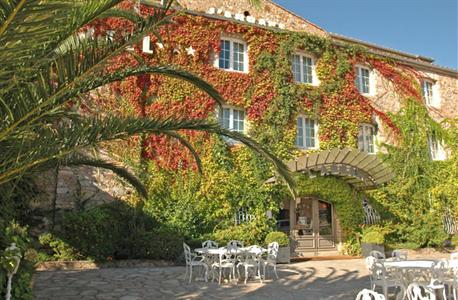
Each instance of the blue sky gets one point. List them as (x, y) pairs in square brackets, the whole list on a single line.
[(425, 27)]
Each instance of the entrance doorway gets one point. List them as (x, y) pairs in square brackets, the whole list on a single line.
[(314, 228)]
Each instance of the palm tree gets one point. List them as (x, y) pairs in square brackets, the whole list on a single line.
[(45, 64)]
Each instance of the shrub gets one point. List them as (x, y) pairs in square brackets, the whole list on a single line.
[(249, 233), (374, 235), (352, 246), (277, 236), (114, 230), (454, 240), (21, 286), (60, 250)]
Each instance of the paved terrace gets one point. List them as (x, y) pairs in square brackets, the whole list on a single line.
[(334, 279), (310, 280)]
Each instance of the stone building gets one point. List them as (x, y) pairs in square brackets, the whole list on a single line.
[(312, 222)]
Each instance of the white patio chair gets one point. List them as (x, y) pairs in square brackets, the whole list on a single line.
[(235, 243), (380, 277), (226, 261), (451, 279), (193, 260), (210, 244), (377, 254), (369, 295), (417, 291), (399, 255), (271, 258), (250, 260)]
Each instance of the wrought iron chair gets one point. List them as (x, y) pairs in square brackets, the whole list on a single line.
[(380, 277), (416, 291), (377, 254), (210, 244), (271, 258), (226, 261), (399, 255), (369, 295), (235, 243), (250, 260), (193, 260)]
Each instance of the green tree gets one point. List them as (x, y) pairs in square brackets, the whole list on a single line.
[(46, 65)]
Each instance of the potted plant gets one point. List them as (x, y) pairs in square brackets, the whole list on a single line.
[(283, 241), (373, 238)]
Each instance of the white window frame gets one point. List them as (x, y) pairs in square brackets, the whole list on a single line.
[(363, 132), (434, 99), (231, 55), (436, 149), (302, 55), (304, 133), (371, 83), (231, 118)]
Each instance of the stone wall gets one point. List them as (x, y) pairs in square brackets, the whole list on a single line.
[(72, 189)]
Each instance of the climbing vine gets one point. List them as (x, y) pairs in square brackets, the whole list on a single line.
[(272, 100)]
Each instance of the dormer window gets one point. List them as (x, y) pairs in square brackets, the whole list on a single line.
[(363, 80), (303, 68), (233, 55), (232, 119), (430, 93), (366, 138), (307, 133)]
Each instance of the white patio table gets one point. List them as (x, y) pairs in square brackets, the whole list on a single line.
[(409, 271), (211, 254), (223, 250)]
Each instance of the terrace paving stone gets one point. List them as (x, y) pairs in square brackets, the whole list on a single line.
[(310, 280), (314, 280)]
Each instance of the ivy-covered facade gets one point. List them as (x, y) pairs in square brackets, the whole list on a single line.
[(296, 92)]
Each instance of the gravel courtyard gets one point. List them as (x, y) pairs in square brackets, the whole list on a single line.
[(314, 280)]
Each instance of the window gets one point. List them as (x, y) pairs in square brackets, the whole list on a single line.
[(233, 119), (436, 149), (366, 138), (303, 68), (362, 80), (307, 133), (430, 93), (233, 56)]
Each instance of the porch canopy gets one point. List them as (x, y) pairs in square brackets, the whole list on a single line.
[(361, 170)]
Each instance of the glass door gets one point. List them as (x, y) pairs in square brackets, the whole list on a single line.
[(325, 225)]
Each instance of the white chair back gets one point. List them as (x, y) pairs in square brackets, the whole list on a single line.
[(370, 260), (377, 254), (272, 251), (399, 255), (416, 291), (187, 253), (210, 244), (369, 295), (235, 243)]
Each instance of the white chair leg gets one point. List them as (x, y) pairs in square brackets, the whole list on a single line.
[(259, 274), (190, 273), (206, 273), (246, 274), (186, 273), (385, 292), (219, 280), (264, 271), (275, 270)]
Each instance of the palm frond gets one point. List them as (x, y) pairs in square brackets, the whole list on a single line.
[(79, 159), (32, 29), (188, 145), (68, 138)]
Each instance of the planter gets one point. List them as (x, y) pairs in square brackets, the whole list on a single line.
[(284, 254), (367, 248)]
